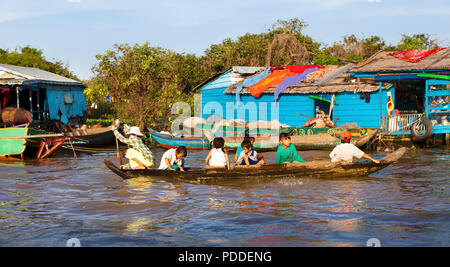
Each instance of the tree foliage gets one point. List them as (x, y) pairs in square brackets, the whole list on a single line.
[(417, 41), (144, 80), (32, 57)]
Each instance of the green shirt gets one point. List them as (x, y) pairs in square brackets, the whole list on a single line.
[(137, 144), (288, 155)]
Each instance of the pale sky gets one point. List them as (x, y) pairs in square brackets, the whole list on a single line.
[(74, 31)]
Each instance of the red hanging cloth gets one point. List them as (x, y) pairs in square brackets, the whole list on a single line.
[(6, 96), (414, 56)]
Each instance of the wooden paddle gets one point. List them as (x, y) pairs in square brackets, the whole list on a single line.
[(116, 125)]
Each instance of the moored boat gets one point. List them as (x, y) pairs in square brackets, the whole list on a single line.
[(91, 137), (169, 141), (15, 142), (308, 169)]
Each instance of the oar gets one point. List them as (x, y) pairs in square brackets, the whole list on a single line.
[(116, 124)]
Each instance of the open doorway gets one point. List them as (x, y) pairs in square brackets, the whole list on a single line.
[(410, 97)]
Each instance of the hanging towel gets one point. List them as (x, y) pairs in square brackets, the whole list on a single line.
[(251, 81), (272, 80), (293, 80)]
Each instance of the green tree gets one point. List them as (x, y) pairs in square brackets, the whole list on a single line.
[(143, 80), (32, 57), (417, 41), (354, 49)]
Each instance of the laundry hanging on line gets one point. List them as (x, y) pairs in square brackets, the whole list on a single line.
[(293, 80)]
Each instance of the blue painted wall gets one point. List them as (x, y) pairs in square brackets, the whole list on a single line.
[(351, 107), (55, 100)]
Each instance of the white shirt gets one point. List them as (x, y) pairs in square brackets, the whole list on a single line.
[(170, 154), (218, 158), (345, 152)]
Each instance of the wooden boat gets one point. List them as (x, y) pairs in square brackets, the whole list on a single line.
[(15, 142), (91, 137), (308, 169), (169, 141)]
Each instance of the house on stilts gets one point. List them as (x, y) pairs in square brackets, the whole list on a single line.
[(46, 95)]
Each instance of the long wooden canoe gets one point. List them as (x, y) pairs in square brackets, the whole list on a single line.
[(308, 169)]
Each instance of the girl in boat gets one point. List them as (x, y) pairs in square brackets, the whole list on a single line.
[(286, 151), (173, 159), (139, 154), (346, 151), (218, 156)]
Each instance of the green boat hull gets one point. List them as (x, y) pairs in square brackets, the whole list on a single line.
[(9, 147)]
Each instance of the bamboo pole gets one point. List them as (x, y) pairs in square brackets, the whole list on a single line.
[(31, 136), (331, 105)]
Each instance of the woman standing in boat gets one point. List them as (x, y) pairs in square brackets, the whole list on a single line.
[(286, 151), (346, 151), (139, 154)]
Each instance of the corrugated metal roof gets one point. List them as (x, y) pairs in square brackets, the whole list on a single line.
[(35, 74), (238, 73)]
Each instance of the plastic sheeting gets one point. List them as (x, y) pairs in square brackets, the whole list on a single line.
[(251, 81)]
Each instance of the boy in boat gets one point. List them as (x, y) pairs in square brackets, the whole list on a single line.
[(173, 159), (239, 149), (248, 155), (139, 154), (286, 151), (218, 156), (346, 151)]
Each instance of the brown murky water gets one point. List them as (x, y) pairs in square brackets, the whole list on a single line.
[(46, 203)]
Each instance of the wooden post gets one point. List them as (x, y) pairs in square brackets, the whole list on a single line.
[(17, 94), (331, 105), (38, 106), (447, 139), (31, 102)]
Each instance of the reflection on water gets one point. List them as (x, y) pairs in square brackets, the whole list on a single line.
[(45, 203)]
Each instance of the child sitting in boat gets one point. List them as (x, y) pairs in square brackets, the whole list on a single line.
[(346, 151), (173, 159), (239, 149), (218, 156), (286, 151), (249, 156), (139, 154)]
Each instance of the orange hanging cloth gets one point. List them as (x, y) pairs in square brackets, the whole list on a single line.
[(272, 80), (277, 77)]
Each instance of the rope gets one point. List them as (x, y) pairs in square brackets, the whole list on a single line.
[(90, 150)]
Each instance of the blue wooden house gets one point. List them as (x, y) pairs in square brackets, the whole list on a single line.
[(356, 100), (382, 92), (412, 90), (46, 95)]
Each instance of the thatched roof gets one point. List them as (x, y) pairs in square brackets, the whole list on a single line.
[(381, 61), (335, 82)]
